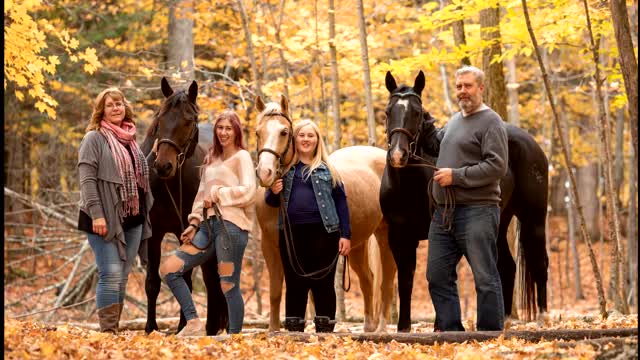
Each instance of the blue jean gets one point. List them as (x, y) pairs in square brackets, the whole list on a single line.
[(113, 273), (226, 251), (474, 234)]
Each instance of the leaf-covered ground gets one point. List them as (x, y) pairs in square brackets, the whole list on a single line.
[(32, 340)]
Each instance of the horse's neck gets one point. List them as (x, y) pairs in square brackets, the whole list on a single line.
[(147, 143)]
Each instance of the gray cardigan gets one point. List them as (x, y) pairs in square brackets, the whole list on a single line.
[(99, 195)]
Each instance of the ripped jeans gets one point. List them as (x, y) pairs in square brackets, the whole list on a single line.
[(229, 278)]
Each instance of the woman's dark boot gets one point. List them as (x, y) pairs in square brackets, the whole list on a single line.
[(294, 324), (108, 317), (324, 324)]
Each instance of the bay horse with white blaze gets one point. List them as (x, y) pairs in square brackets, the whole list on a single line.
[(404, 198), (174, 180), (361, 169)]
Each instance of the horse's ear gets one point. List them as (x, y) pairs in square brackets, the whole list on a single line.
[(193, 91), (418, 85), (166, 88), (390, 81), (259, 104), (284, 104)]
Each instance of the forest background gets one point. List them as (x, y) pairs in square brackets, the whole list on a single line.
[(329, 58)]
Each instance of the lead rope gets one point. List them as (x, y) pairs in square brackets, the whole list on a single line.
[(449, 196), (175, 207), (291, 252)]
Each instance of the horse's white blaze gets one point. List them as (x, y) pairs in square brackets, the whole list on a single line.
[(268, 162)]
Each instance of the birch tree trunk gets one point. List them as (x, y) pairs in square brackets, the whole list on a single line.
[(180, 48), (512, 90), (334, 78), (601, 299), (612, 204), (283, 61), (495, 89), (364, 51), (632, 236)]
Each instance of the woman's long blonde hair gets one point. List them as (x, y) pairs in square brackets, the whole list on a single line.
[(319, 156), (98, 108)]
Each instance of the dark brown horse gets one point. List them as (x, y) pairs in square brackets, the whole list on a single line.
[(404, 200), (174, 179)]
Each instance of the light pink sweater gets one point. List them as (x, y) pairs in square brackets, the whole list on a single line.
[(234, 182)]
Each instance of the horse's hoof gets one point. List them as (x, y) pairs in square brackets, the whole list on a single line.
[(149, 328)]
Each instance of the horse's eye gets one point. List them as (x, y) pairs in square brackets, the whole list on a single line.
[(284, 132)]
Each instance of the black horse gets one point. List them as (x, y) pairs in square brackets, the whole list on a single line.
[(404, 200), (174, 179)]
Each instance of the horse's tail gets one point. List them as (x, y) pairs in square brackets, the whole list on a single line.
[(525, 277), (375, 262)]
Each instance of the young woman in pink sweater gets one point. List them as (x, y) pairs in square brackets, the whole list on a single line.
[(227, 182)]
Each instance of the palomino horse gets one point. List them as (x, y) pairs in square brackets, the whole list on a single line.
[(174, 180), (404, 199), (361, 169)]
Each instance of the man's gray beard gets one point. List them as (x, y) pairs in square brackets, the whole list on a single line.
[(466, 105)]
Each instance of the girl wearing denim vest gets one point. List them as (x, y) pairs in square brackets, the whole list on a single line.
[(316, 228)]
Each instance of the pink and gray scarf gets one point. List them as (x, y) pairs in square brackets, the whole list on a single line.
[(134, 174)]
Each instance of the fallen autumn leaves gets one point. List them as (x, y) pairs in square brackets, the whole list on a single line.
[(26, 340)]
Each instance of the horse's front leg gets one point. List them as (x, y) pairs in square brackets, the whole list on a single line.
[(152, 281), (217, 311), (271, 253), (404, 254)]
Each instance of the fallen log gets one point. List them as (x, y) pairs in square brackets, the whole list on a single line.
[(432, 338)]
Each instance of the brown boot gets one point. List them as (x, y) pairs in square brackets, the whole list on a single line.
[(108, 317), (194, 327)]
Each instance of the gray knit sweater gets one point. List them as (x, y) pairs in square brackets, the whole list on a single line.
[(475, 147), (99, 195)]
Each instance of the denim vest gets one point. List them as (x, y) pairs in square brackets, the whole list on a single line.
[(322, 184)]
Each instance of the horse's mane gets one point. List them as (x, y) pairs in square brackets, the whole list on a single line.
[(174, 100)]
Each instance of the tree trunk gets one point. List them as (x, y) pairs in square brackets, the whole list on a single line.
[(495, 89), (628, 65), (512, 90), (334, 78), (612, 204), (250, 49), (180, 49), (632, 236), (283, 61), (601, 299), (364, 51), (459, 37)]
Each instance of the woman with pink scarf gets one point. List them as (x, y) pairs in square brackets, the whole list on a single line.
[(115, 200)]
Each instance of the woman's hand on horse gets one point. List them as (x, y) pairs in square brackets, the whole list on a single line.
[(276, 187), (344, 246), (100, 226), (444, 177), (188, 234)]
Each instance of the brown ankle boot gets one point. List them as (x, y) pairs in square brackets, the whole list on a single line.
[(108, 317)]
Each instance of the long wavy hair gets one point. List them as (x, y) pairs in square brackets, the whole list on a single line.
[(320, 154), (215, 150), (98, 108)]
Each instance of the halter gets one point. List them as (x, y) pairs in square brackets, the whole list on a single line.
[(182, 150), (279, 157), (413, 138)]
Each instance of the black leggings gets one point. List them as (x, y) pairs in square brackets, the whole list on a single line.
[(315, 249)]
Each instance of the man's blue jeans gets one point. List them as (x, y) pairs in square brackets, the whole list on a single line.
[(228, 251), (113, 273), (473, 233)]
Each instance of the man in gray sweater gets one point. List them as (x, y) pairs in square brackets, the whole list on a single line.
[(472, 158)]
